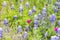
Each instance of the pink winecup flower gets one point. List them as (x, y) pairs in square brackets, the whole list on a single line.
[(56, 29), (28, 21)]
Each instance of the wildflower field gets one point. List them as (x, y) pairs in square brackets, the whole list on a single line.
[(29, 19)]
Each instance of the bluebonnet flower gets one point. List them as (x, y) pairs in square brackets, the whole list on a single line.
[(36, 22), (25, 35), (55, 9), (54, 38), (44, 9), (27, 4), (1, 32), (58, 6), (35, 17), (30, 12), (6, 21), (12, 6), (21, 0), (46, 34), (35, 26), (27, 28), (19, 29), (44, 13), (58, 33), (52, 18), (15, 16), (34, 9), (59, 22), (21, 8), (4, 3), (40, 16)]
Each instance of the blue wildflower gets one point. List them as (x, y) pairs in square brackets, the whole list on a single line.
[(44, 13), (25, 35), (54, 38), (35, 17), (59, 22), (58, 6), (46, 34), (1, 32), (19, 29), (5, 21), (21, 0), (27, 4), (27, 28), (44, 9), (21, 8), (34, 9), (52, 18), (12, 6), (15, 16), (30, 12), (4, 3), (40, 16), (36, 22)]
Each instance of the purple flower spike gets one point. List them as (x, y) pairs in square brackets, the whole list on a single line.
[(27, 28), (1, 32), (4, 3), (44, 13), (34, 9), (46, 34), (21, 8), (27, 4), (19, 29), (30, 13), (59, 22), (35, 17), (55, 10), (58, 32), (5, 21), (58, 6), (12, 6), (40, 16), (25, 35), (54, 38), (15, 16), (44, 9), (21, 0), (36, 22), (52, 18), (35, 26)]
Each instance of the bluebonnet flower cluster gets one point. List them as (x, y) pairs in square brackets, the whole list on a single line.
[(52, 18), (19, 29), (4, 3), (15, 16), (34, 9), (59, 22), (36, 21), (6, 21), (27, 4), (54, 38), (44, 13), (30, 12), (21, 8), (1, 32), (25, 35), (12, 6), (27, 28)]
